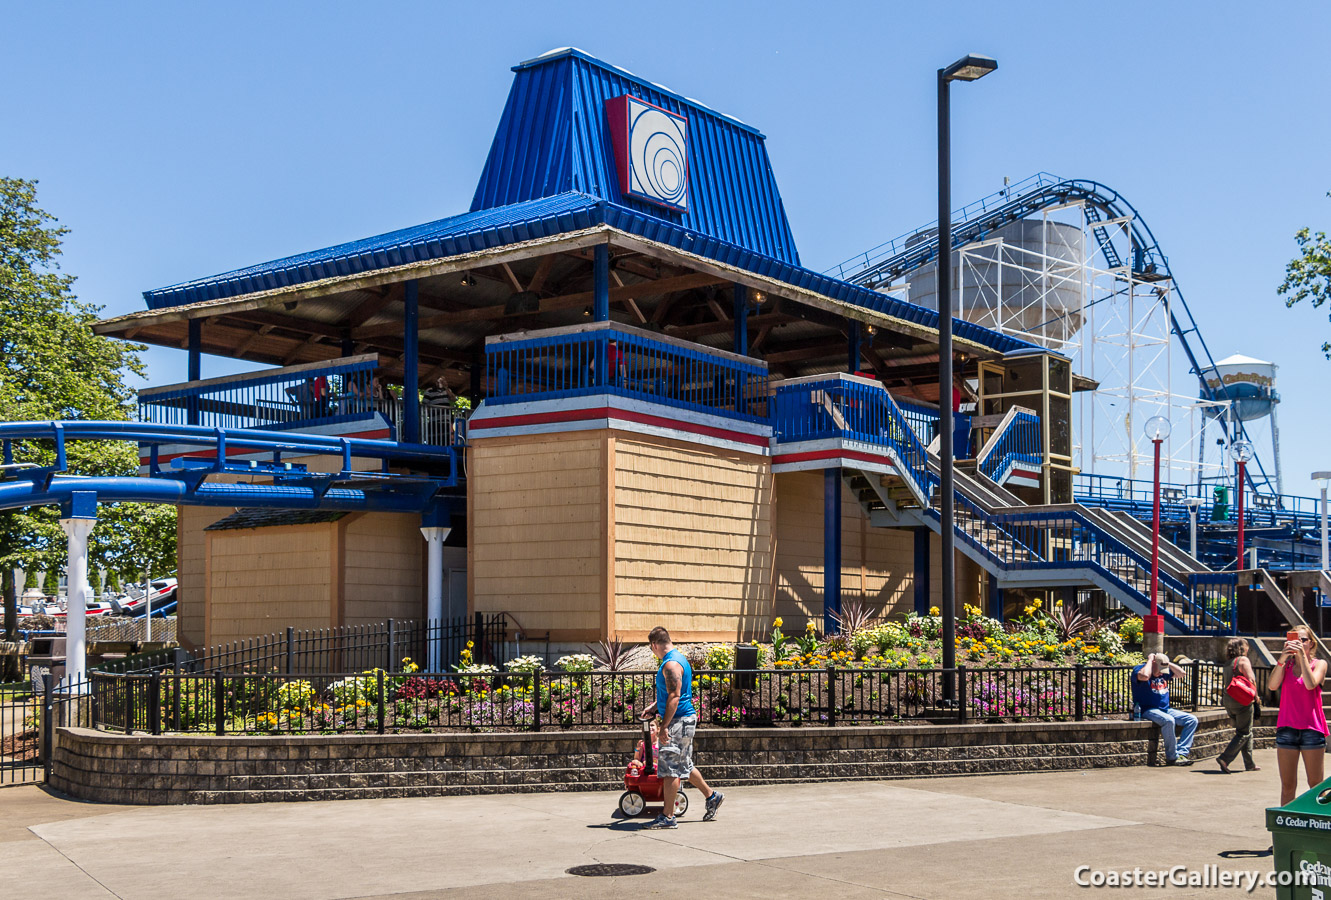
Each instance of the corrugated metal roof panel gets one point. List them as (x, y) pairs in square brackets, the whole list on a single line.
[(453, 236), (554, 137), (546, 218)]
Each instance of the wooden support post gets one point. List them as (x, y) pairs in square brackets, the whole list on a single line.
[(601, 283)]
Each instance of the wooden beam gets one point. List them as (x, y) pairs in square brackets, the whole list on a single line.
[(542, 272), (252, 340), (706, 328), (512, 279), (566, 301), (368, 309), (815, 349)]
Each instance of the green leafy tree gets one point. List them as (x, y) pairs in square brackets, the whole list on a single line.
[(52, 366), (1308, 275)]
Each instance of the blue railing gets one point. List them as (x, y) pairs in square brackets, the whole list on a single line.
[(604, 358), (1216, 593), (1135, 495), (924, 422), (338, 391), (1017, 440), (850, 408)]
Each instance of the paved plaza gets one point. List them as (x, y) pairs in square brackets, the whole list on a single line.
[(1015, 836)]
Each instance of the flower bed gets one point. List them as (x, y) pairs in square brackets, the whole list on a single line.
[(1042, 667)]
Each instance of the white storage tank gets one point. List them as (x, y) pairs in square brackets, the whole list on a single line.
[(1026, 292), (1251, 384)]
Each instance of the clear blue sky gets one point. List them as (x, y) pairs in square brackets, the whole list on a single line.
[(182, 140)]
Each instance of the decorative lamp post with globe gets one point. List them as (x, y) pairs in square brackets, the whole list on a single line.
[(1240, 452), (1153, 626)]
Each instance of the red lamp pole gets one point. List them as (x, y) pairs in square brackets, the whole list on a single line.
[(1155, 538), (1240, 511)]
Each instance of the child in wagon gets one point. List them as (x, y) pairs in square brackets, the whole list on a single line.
[(640, 753)]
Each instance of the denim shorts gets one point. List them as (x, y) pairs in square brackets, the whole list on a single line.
[(1299, 738)]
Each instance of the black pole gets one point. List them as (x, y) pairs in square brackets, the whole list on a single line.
[(947, 599)]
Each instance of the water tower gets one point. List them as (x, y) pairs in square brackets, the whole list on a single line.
[(1250, 385)]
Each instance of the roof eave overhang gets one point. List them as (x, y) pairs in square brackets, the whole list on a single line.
[(576, 240)]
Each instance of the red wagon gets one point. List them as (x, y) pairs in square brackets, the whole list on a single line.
[(642, 786)]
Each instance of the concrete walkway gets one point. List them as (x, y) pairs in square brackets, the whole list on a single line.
[(1017, 836)]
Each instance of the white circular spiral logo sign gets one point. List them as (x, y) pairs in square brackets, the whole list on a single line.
[(658, 155)]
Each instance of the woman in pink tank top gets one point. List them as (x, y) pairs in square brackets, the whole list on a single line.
[(1301, 726)]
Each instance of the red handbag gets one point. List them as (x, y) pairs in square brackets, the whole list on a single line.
[(1241, 690)]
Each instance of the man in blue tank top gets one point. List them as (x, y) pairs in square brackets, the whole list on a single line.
[(679, 720)]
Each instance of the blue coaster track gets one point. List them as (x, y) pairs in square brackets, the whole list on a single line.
[(884, 264), (211, 451)]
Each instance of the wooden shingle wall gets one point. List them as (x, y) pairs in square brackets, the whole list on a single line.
[(262, 580), (537, 528), (383, 568), (692, 540)]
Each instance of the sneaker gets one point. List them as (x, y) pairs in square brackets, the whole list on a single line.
[(713, 804), (1181, 761), (662, 821)]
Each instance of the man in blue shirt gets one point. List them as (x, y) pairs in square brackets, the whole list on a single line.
[(1150, 691), (679, 720)]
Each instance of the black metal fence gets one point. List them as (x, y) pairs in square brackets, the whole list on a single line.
[(381, 701), (27, 725), (350, 648)]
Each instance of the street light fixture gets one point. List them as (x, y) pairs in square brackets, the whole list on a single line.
[(1157, 430), (1240, 452), (1193, 504), (968, 68)]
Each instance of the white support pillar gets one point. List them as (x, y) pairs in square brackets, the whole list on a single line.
[(434, 593), (76, 579)]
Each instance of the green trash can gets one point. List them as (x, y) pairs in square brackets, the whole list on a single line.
[(1301, 836)]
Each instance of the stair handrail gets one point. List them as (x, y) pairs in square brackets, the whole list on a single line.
[(1014, 429)]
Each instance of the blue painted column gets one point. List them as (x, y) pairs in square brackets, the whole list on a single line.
[(995, 599), (831, 549), (411, 363), (348, 346), (922, 570), (195, 346), (741, 345), (601, 283), (852, 347), (741, 320)]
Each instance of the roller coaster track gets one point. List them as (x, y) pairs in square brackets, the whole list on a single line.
[(884, 264), (283, 485)]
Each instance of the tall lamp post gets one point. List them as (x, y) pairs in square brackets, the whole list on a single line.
[(1153, 626), (968, 68), (1323, 477), (1240, 452)]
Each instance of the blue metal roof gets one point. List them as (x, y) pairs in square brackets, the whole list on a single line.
[(554, 137), (547, 217), (455, 235)]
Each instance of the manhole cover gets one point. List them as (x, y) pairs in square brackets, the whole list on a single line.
[(600, 869)]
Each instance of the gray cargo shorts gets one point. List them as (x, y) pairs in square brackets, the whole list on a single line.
[(677, 750)]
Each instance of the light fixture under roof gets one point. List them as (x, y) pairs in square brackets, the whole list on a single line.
[(468, 280)]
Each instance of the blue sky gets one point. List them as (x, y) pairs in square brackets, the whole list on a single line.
[(178, 140)]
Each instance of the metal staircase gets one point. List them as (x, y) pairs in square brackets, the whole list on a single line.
[(1021, 546)]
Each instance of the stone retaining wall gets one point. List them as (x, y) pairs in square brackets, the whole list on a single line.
[(99, 766)]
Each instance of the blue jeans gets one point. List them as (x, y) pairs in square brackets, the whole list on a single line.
[(1168, 720)]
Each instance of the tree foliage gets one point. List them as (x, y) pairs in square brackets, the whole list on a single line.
[(1308, 275), (52, 366)]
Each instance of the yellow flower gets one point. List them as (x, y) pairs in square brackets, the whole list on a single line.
[(809, 626), (777, 623), (470, 644), (1058, 602), (933, 610)]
